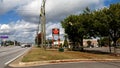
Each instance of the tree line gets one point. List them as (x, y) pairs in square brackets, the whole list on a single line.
[(104, 22), (9, 43)]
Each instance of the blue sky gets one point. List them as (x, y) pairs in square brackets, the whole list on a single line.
[(108, 2), (19, 18), (9, 17)]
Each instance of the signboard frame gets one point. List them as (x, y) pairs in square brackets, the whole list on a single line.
[(55, 31)]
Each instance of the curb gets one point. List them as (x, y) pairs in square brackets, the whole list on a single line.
[(37, 63)]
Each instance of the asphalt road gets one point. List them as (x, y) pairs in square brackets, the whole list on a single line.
[(81, 65), (9, 53)]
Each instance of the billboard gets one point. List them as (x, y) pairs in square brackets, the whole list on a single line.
[(3, 37)]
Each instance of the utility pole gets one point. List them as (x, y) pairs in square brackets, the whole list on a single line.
[(37, 33), (43, 24)]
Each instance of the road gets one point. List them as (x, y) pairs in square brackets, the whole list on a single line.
[(81, 65), (9, 53)]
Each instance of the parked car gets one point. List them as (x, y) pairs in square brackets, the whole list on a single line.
[(25, 45)]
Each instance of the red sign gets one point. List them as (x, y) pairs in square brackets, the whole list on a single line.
[(55, 31)]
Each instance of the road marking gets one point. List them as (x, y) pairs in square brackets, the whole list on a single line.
[(16, 57)]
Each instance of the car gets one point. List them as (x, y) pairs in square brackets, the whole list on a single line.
[(23, 45), (27, 45)]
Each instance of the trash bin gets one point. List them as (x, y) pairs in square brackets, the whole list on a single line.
[(61, 49)]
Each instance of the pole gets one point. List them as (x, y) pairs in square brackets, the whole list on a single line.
[(37, 33), (59, 41), (109, 44), (43, 25), (14, 42), (52, 41), (0, 41)]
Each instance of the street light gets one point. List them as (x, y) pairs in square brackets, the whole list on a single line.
[(43, 24)]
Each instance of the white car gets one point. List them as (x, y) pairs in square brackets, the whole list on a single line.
[(23, 45)]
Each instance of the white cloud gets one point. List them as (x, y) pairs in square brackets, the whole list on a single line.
[(4, 29), (56, 10), (25, 31), (59, 9), (4, 26), (21, 30), (8, 5), (29, 10)]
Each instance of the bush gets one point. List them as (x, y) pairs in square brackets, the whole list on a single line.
[(61, 49)]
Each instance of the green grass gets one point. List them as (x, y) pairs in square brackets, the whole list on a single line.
[(37, 54)]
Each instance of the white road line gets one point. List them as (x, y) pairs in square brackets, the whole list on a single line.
[(15, 57)]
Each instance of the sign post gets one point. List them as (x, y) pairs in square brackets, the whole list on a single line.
[(3, 39), (55, 31)]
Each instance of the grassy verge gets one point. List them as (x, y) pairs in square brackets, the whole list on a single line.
[(37, 54)]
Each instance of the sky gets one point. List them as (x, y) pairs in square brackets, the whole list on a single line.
[(19, 18)]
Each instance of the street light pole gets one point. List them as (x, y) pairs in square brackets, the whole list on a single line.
[(43, 24)]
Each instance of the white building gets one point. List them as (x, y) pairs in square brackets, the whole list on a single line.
[(93, 42)]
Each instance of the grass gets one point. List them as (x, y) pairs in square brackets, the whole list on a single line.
[(37, 54)]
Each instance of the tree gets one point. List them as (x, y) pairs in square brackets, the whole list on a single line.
[(77, 27), (10, 42), (50, 42), (105, 41), (89, 43), (108, 22), (101, 23), (114, 23), (118, 41), (38, 39), (65, 42)]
